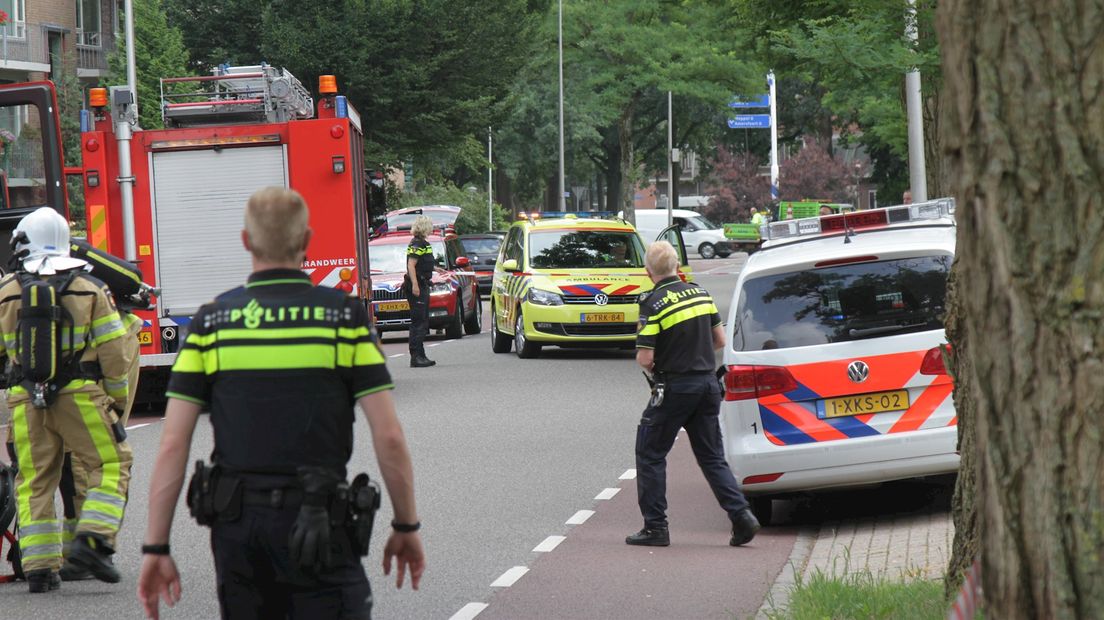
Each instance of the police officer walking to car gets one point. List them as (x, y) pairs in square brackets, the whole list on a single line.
[(679, 331), (281, 363), (419, 271), (70, 360)]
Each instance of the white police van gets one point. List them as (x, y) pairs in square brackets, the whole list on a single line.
[(834, 370)]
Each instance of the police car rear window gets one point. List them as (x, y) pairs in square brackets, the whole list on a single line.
[(842, 303)]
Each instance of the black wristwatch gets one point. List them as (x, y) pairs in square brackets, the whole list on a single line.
[(406, 528), (155, 549)]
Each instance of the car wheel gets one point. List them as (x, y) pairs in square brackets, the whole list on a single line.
[(706, 250), (474, 323), (522, 346), (762, 508), (724, 254), (455, 328), (500, 342)]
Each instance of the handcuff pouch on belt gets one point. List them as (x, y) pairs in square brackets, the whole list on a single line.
[(214, 495)]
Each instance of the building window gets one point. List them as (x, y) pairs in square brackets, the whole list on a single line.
[(88, 23), (872, 199), (16, 27)]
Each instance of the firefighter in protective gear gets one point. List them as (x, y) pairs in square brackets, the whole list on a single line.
[(83, 414), (74, 476)]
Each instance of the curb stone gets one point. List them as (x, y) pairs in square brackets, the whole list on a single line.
[(778, 598)]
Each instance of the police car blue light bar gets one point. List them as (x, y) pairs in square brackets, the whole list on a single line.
[(941, 208)]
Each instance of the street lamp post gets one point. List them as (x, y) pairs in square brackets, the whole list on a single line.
[(562, 202)]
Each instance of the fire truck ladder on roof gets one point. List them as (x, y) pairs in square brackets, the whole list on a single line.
[(235, 95)]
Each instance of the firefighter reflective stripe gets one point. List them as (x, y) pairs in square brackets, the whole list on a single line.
[(97, 229), (116, 387), (40, 540), (107, 328), (80, 334), (103, 507), (68, 533)]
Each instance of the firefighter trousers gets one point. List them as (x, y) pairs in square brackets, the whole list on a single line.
[(80, 422), (74, 476)]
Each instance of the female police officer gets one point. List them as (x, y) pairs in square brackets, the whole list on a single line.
[(280, 363), (419, 271)]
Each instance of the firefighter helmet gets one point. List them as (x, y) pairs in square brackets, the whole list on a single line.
[(41, 243)]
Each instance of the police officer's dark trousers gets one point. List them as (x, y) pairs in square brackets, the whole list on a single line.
[(691, 402), (257, 580), (419, 319)]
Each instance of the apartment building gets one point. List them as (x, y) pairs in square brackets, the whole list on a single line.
[(39, 34)]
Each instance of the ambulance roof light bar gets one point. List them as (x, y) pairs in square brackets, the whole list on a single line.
[(791, 230)]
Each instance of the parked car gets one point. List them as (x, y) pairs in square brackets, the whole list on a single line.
[(698, 233), (443, 218), (482, 250), (834, 372), (454, 303)]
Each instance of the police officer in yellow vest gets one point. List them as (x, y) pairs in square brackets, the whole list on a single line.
[(679, 332), (76, 408), (281, 364)]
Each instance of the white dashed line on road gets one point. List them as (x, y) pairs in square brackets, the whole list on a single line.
[(580, 517), (510, 577), (130, 428), (549, 544), (396, 355), (630, 474), (469, 611), (608, 493)]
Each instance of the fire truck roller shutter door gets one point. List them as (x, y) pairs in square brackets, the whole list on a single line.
[(199, 205)]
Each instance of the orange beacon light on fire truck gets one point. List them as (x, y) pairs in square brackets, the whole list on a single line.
[(97, 97), (327, 85)]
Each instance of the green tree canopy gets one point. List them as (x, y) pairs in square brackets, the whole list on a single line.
[(158, 51), (424, 74)]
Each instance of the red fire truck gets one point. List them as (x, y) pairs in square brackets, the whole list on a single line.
[(227, 135)]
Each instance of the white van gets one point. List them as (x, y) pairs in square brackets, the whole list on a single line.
[(699, 234)]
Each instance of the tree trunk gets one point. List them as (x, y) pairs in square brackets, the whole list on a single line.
[(1024, 135), (964, 504), (613, 180), (628, 160), (938, 176)]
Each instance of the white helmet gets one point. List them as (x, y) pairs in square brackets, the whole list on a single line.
[(41, 242)]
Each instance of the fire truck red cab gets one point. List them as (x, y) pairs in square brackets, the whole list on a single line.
[(227, 135)]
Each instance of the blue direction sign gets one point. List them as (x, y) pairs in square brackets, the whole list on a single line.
[(749, 121), (758, 101)]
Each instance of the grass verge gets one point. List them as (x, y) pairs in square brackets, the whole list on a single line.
[(861, 596)]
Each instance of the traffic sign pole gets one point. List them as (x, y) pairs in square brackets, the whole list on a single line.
[(774, 138)]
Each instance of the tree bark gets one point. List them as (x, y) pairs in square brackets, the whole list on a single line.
[(1025, 137)]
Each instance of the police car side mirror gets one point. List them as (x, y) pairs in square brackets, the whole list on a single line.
[(510, 265), (463, 262)]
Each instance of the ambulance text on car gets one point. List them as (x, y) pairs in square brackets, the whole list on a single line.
[(569, 282), (834, 374)]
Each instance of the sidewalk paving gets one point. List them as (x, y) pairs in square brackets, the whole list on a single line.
[(906, 543)]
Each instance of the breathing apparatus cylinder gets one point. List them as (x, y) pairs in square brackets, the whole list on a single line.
[(122, 277)]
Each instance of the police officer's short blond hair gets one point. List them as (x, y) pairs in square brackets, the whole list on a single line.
[(422, 226), (276, 223), (661, 259)]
